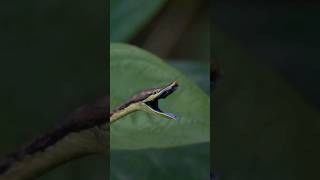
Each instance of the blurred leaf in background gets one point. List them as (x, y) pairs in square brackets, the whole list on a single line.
[(127, 17), (197, 71)]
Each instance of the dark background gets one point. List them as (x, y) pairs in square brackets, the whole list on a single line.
[(267, 127), (283, 34), (53, 58)]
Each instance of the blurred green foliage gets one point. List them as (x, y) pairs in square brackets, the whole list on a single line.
[(198, 72), (127, 17)]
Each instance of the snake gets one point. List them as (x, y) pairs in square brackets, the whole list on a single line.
[(83, 132)]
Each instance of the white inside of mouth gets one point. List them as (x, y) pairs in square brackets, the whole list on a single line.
[(172, 116), (157, 110)]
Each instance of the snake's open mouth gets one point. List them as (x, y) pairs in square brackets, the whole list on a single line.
[(163, 93)]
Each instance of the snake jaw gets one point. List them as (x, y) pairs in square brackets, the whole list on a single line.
[(153, 104)]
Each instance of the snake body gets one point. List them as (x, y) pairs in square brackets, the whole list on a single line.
[(83, 132)]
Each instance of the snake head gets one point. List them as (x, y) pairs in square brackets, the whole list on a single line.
[(151, 102), (147, 101)]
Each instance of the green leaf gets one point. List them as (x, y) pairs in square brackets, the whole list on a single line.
[(128, 16), (197, 71), (133, 70), (160, 164)]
